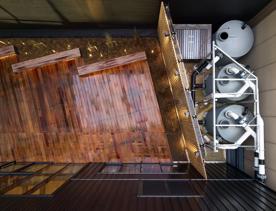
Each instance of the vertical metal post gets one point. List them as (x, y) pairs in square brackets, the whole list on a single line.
[(214, 97), (260, 139)]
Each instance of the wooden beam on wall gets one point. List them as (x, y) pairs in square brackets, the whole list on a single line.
[(111, 63), (7, 51), (46, 60), (269, 8)]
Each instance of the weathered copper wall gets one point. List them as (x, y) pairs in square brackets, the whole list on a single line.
[(179, 83), (52, 114)]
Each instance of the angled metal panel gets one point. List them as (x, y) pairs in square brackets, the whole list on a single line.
[(179, 86)]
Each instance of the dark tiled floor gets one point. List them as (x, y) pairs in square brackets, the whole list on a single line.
[(226, 189)]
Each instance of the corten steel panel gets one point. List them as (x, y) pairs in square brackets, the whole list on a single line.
[(179, 84), (51, 114), (99, 49)]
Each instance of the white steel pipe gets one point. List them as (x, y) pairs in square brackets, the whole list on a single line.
[(260, 132)]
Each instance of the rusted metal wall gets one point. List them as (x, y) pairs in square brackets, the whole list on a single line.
[(52, 114), (179, 87)]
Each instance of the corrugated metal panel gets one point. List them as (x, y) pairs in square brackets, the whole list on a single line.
[(236, 158), (194, 40)]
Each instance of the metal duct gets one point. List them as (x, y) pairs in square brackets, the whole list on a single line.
[(194, 40)]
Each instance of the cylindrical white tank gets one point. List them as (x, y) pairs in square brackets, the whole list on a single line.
[(227, 133), (233, 71), (235, 38)]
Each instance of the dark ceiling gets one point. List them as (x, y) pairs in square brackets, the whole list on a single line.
[(78, 13), (120, 13), (215, 12)]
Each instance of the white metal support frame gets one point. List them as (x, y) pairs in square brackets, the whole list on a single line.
[(255, 128)]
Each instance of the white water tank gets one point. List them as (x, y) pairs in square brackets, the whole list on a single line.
[(229, 71), (235, 38), (228, 133)]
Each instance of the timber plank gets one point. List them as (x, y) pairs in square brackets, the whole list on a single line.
[(111, 63), (46, 60), (7, 51)]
